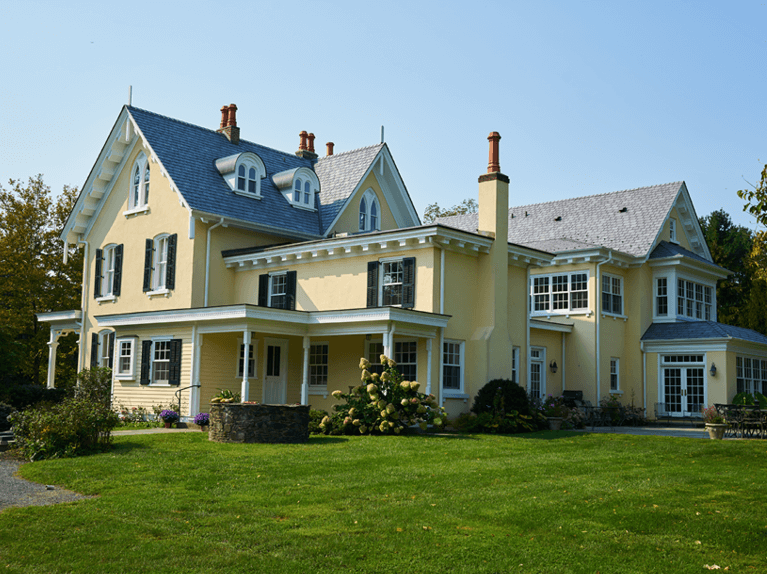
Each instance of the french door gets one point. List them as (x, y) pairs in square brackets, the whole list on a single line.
[(684, 390), (537, 388)]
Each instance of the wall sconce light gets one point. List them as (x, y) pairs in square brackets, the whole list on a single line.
[(713, 370), (553, 367)]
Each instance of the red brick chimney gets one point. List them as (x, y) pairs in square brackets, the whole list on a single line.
[(329, 147), (493, 164), (311, 142), (306, 147), (229, 124)]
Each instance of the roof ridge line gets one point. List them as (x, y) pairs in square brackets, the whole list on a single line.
[(327, 157)]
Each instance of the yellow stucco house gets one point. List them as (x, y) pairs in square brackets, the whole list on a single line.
[(215, 263)]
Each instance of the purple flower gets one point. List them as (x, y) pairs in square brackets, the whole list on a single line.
[(202, 419)]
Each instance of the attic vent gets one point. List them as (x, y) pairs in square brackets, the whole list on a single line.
[(623, 210), (558, 218)]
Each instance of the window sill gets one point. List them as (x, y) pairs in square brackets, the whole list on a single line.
[(106, 299), (319, 391), (125, 378), (301, 206), (158, 293), (615, 392), (566, 314), (247, 194), (455, 395), (614, 317), (136, 211)]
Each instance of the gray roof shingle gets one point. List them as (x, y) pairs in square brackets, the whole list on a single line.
[(700, 330), (189, 152), (627, 221), (666, 249)]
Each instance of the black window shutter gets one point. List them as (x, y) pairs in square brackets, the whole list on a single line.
[(174, 368), (372, 284), (290, 290), (263, 290), (97, 275), (408, 283), (118, 270), (170, 270), (146, 361), (94, 350), (148, 267), (111, 349)]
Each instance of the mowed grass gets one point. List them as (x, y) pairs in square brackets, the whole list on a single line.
[(546, 502)]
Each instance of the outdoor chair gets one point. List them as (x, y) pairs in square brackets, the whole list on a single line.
[(751, 421), (661, 412)]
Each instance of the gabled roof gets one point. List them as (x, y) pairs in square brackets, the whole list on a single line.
[(685, 330), (627, 221), (187, 155), (666, 250)]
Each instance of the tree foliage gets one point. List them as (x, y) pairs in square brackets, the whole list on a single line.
[(434, 211), (756, 199), (34, 279)]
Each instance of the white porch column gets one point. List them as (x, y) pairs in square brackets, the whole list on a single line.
[(305, 379), (194, 377), (428, 366), (245, 388), (53, 344), (388, 342), (563, 362), (441, 357)]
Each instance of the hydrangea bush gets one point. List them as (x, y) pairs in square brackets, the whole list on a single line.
[(382, 404), (169, 416)]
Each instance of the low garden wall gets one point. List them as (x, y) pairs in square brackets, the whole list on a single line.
[(238, 422)]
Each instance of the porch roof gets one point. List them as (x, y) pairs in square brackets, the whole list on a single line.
[(62, 320)]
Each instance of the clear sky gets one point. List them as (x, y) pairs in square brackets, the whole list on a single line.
[(589, 97)]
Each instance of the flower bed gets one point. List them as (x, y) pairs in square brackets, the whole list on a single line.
[(244, 422)]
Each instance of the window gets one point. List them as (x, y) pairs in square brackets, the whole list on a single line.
[(307, 192), (277, 290), (373, 354), (124, 367), (160, 263), (161, 362), (369, 210), (297, 192), (406, 357), (318, 365), (102, 348), (392, 283), (452, 366), (612, 294), (515, 365), (247, 178), (751, 375), (614, 374), (661, 296), (672, 229), (694, 300), (252, 352), (561, 293), (139, 195), (108, 277)]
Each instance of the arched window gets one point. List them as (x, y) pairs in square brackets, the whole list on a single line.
[(307, 191), (241, 178), (369, 212), (139, 194), (297, 192), (252, 178), (243, 173), (363, 214)]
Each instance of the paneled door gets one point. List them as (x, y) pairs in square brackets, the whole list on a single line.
[(275, 371)]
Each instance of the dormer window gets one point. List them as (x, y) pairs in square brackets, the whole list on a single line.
[(369, 211), (139, 193), (243, 173), (299, 186)]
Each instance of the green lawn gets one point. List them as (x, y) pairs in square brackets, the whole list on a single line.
[(546, 502)]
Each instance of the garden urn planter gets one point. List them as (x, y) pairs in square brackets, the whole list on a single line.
[(716, 431), (168, 425), (555, 423)]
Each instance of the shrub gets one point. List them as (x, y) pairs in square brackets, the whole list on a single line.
[(22, 397), (501, 396), (5, 411), (551, 406), (503, 423), (315, 418), (382, 404), (749, 399), (95, 385), (711, 416)]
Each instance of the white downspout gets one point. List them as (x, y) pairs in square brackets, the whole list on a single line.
[(207, 261), (644, 376), (598, 311), (563, 362), (86, 275)]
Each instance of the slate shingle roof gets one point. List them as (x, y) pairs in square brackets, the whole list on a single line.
[(594, 220), (666, 249), (700, 330), (188, 153)]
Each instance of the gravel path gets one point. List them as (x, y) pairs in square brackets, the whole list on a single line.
[(15, 491)]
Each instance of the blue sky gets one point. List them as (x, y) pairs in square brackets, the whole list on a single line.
[(589, 97)]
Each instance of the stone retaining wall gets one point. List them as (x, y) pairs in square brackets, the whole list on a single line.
[(238, 422)]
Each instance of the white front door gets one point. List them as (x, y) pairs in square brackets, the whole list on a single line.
[(275, 371), (537, 387)]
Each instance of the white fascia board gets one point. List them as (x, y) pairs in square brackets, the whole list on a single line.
[(747, 347), (250, 226), (522, 256), (550, 326), (692, 265), (62, 320), (685, 346)]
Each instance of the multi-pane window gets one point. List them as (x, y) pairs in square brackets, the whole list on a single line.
[(672, 229), (614, 374), (661, 296), (161, 362), (391, 282), (251, 360), (694, 300), (159, 272), (318, 365), (751, 375), (374, 352), (452, 365), (612, 295), (560, 293), (307, 192), (369, 211), (108, 278), (278, 290), (125, 354), (139, 195), (406, 357), (363, 214), (297, 191)]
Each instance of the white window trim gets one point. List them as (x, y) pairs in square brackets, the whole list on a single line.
[(751, 384), (694, 281), (304, 174), (669, 309), (459, 392), (515, 355), (566, 312), (622, 314), (318, 389), (394, 356), (370, 198), (107, 280), (103, 345), (142, 163), (248, 162), (157, 289), (253, 343), (541, 359), (130, 375), (271, 277), (156, 340), (617, 362), (381, 263)]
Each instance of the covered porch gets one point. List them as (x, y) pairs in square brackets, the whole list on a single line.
[(62, 323)]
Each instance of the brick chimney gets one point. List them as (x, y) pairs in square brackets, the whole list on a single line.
[(494, 195), (306, 146), (329, 147), (229, 124)]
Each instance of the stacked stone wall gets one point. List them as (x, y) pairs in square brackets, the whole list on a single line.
[(238, 422)]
